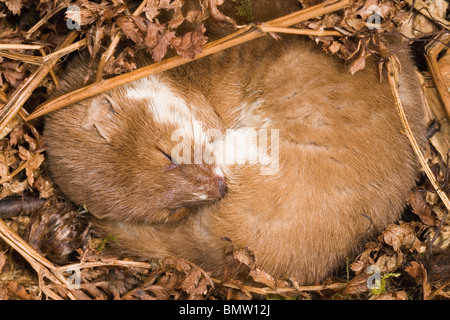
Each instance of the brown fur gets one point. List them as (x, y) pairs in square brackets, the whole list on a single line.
[(345, 165)]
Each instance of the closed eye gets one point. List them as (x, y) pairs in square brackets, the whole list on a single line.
[(169, 157)]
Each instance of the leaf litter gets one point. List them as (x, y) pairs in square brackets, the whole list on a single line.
[(411, 257)]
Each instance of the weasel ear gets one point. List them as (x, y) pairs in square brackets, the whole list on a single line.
[(101, 116)]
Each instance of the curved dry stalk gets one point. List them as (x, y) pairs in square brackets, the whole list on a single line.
[(432, 51), (266, 291), (23, 57), (43, 267), (50, 14), (236, 38), (25, 90), (52, 72), (93, 264), (393, 71), (438, 290)]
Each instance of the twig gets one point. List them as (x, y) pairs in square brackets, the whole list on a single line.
[(48, 58), (16, 102), (234, 39), (19, 46), (20, 168), (423, 8), (50, 14), (393, 71), (308, 32), (266, 291), (115, 41), (438, 290)]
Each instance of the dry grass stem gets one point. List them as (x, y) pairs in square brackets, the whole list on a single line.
[(25, 90), (20, 168), (19, 46), (40, 23), (432, 51), (423, 8), (42, 266), (281, 291), (113, 263)]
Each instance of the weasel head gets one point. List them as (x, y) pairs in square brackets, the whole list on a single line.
[(159, 148)]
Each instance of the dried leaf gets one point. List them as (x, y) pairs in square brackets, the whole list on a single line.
[(216, 14), (15, 6), (418, 272), (17, 291), (11, 73), (357, 285), (421, 208), (400, 236)]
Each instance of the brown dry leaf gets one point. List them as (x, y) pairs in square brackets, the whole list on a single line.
[(365, 259), (400, 236), (359, 63), (44, 185), (151, 10), (4, 167), (417, 200), (2, 260), (13, 187), (16, 134), (263, 277), (195, 16), (11, 73), (133, 28), (15, 6), (191, 43), (17, 291), (160, 50), (396, 295), (390, 263), (418, 272), (177, 16), (216, 14), (33, 166), (357, 285), (185, 276)]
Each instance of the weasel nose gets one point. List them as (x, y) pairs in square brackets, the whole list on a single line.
[(222, 187)]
